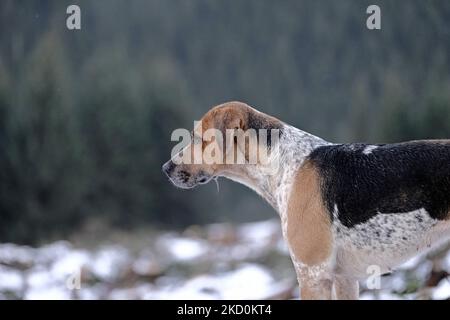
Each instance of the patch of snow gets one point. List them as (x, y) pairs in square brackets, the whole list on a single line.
[(39, 277), (250, 281), (423, 270), (194, 289), (10, 280), (368, 295), (134, 293), (241, 252), (387, 295), (184, 249), (442, 291), (109, 262), (47, 293), (396, 282), (52, 252), (383, 294), (69, 263), (11, 253), (147, 264), (95, 292), (282, 247), (257, 232)]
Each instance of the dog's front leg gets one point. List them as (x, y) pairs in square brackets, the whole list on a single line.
[(315, 283), (309, 235), (345, 288)]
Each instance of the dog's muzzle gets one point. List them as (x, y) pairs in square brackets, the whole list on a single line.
[(182, 178)]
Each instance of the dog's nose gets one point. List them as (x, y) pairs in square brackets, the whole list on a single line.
[(168, 167)]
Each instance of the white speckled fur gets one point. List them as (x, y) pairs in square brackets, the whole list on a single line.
[(386, 240), (294, 146)]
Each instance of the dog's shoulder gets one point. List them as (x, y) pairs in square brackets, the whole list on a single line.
[(362, 180)]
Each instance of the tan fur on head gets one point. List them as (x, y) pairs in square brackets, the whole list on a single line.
[(228, 116)]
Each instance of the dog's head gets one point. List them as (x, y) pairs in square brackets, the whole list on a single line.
[(215, 146)]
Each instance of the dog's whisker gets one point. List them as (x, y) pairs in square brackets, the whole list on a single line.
[(216, 179)]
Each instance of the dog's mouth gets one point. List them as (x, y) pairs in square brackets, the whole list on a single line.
[(189, 182), (204, 179)]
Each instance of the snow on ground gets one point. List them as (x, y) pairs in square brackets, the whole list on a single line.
[(10, 279), (220, 261), (442, 291), (183, 249), (249, 281)]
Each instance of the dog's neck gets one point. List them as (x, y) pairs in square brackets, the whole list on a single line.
[(274, 183)]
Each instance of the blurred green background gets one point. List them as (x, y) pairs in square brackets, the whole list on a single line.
[(86, 116)]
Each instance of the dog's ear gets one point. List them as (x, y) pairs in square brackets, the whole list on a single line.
[(233, 119), (237, 123), (230, 119)]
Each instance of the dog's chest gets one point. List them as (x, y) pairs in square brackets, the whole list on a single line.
[(296, 146)]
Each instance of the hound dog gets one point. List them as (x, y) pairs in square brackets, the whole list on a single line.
[(343, 207)]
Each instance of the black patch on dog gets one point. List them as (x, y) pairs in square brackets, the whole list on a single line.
[(393, 178)]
